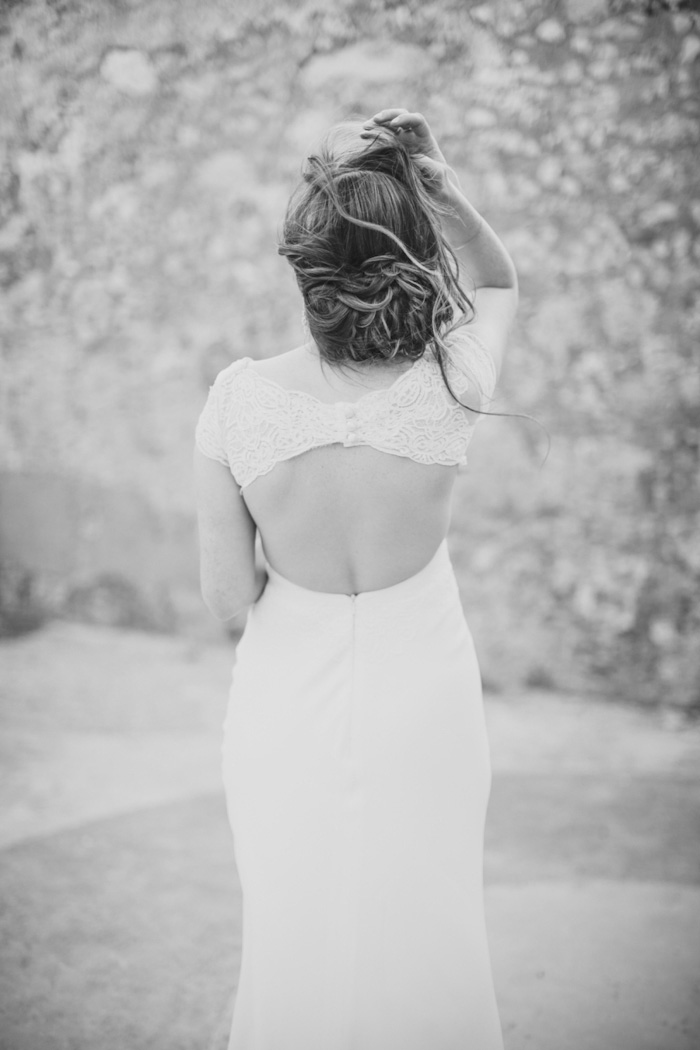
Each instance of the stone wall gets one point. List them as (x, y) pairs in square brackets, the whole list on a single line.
[(149, 147)]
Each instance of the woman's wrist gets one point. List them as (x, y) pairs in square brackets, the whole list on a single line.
[(446, 188)]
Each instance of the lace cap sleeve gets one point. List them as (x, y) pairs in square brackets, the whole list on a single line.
[(471, 363), (209, 435)]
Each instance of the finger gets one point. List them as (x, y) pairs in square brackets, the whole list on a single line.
[(408, 121), (385, 115), (376, 131)]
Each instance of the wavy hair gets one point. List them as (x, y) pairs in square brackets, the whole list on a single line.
[(363, 235)]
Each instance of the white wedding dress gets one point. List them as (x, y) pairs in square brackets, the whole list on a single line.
[(355, 756)]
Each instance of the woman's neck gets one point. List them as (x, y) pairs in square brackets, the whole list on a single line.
[(350, 367)]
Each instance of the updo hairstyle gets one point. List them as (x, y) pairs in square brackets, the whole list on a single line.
[(378, 279)]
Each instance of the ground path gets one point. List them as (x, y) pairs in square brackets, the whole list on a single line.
[(120, 919)]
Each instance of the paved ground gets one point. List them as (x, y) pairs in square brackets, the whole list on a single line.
[(120, 905)]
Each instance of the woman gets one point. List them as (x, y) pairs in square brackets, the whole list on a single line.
[(355, 758)]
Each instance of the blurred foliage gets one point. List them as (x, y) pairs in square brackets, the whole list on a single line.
[(148, 151)]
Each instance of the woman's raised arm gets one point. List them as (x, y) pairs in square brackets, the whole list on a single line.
[(486, 269)]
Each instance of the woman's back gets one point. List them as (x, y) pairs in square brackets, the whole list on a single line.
[(347, 518), (348, 475), (341, 455)]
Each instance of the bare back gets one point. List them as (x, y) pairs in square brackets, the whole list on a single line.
[(343, 519)]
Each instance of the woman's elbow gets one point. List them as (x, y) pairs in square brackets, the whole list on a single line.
[(225, 603), (223, 610)]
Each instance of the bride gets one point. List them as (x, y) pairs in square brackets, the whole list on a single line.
[(355, 759)]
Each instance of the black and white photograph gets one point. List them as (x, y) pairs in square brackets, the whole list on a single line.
[(349, 525)]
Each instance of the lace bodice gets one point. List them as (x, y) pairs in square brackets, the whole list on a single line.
[(250, 423)]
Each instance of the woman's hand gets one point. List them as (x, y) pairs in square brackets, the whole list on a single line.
[(415, 134)]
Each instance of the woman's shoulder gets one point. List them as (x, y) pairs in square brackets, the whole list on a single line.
[(279, 369), (226, 374), (240, 379), (225, 377), (470, 360), (273, 368), (286, 368), (465, 342)]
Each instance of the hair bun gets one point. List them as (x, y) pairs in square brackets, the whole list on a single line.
[(379, 280)]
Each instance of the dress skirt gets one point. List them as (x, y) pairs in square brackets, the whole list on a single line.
[(357, 776)]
